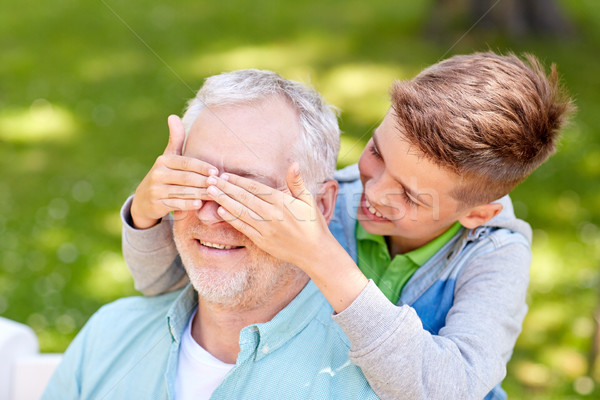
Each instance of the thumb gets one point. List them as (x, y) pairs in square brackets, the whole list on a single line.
[(176, 136), (296, 184)]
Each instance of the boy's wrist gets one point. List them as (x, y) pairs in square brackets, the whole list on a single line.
[(140, 222), (143, 223), (335, 273), (318, 259)]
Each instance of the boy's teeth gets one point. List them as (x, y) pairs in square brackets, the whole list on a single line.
[(216, 245), (372, 209)]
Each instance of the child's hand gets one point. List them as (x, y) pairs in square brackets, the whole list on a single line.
[(289, 227), (174, 183)]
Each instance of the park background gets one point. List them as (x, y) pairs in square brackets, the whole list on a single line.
[(85, 89)]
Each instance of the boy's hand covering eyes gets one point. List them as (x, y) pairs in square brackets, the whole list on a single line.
[(287, 226), (174, 182)]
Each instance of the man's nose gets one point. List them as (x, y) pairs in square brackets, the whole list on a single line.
[(208, 213)]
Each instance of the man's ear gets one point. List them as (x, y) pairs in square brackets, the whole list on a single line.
[(326, 197), (479, 215)]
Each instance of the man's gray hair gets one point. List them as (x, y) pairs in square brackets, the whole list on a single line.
[(316, 151)]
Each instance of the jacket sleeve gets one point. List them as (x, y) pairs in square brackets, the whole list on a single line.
[(467, 357), (151, 255)]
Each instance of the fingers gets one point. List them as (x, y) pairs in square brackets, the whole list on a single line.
[(176, 136), (165, 198), (236, 199), (182, 163), (231, 184), (181, 204), (235, 209), (180, 192), (175, 147), (238, 224), (295, 183), (168, 176)]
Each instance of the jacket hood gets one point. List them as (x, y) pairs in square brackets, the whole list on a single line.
[(507, 219)]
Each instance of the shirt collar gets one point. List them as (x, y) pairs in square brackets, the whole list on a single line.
[(265, 337), (181, 311), (289, 321), (420, 255)]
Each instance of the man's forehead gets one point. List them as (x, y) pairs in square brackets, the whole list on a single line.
[(250, 140)]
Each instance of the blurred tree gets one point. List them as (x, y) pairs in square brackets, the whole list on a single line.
[(521, 17), (516, 18)]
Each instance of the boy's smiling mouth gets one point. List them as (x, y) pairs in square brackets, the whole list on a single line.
[(370, 211)]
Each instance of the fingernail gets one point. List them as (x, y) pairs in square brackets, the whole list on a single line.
[(197, 203), (213, 171), (212, 180), (212, 190), (225, 177)]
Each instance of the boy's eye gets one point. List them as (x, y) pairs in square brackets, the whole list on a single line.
[(375, 153), (409, 201)]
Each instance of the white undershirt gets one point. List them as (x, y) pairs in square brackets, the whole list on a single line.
[(198, 372)]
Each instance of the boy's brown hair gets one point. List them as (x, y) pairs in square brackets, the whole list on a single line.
[(490, 119)]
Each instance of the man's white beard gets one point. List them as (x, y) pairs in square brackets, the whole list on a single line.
[(248, 284), (215, 286)]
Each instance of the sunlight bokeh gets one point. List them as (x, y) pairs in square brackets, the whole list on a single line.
[(41, 121)]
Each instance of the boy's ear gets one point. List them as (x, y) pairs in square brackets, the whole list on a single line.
[(479, 215), (326, 197)]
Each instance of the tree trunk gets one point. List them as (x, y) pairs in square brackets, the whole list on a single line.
[(521, 17), (515, 18)]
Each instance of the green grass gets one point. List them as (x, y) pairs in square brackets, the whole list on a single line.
[(85, 88)]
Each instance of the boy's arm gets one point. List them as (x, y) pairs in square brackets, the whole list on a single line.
[(468, 357), (151, 255), (174, 182)]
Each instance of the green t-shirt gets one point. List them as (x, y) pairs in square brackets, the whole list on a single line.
[(391, 275)]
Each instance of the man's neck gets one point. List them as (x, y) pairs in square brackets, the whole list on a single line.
[(217, 327)]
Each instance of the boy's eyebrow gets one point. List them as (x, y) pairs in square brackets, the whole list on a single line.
[(407, 189)]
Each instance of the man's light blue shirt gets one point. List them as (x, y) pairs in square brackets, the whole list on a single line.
[(129, 350)]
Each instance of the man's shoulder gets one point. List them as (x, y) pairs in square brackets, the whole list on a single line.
[(141, 303), (122, 349), (126, 315), (126, 324), (322, 324)]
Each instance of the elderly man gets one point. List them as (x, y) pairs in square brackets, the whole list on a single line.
[(248, 326)]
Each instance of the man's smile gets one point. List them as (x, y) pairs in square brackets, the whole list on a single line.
[(218, 245)]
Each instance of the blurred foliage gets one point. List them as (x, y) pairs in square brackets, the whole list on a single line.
[(85, 89)]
